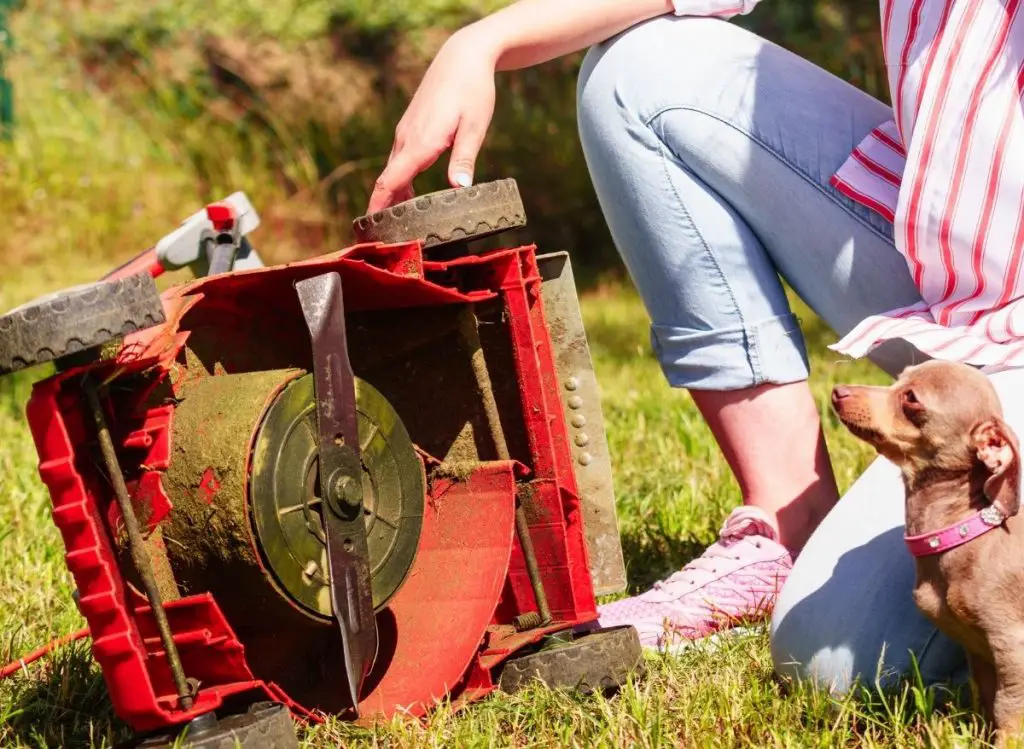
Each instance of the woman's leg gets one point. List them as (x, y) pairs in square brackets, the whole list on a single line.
[(788, 476), (711, 151)]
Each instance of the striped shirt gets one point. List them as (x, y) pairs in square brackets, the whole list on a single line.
[(948, 172)]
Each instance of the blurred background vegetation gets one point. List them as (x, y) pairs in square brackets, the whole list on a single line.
[(130, 114)]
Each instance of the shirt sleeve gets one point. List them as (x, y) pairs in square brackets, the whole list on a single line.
[(717, 8)]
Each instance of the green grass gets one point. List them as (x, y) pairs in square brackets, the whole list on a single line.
[(673, 491)]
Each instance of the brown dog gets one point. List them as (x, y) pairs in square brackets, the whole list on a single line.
[(941, 423)]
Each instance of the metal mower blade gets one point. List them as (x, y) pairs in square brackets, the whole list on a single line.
[(340, 475)]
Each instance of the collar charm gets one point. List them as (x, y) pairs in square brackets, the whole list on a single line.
[(992, 516)]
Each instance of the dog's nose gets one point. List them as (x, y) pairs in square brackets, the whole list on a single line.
[(839, 393)]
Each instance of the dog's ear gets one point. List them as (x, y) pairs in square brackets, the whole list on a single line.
[(997, 449)]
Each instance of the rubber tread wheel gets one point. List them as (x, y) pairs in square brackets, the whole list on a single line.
[(266, 725), (439, 218), (77, 319), (597, 661)]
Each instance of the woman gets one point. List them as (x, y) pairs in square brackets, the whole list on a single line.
[(721, 162)]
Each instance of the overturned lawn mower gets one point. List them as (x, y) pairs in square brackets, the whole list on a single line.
[(355, 485)]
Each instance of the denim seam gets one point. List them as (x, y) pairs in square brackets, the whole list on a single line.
[(752, 358), (786, 324), (754, 355), (744, 328), (806, 177)]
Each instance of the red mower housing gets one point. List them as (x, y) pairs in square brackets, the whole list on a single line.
[(451, 625)]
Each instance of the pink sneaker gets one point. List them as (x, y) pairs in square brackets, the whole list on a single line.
[(736, 579)]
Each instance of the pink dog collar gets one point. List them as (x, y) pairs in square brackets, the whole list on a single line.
[(955, 535)]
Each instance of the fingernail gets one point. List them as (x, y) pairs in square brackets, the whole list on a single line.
[(463, 180)]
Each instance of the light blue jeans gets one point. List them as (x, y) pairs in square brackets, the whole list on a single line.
[(711, 151)]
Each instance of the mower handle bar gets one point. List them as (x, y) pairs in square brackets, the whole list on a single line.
[(185, 247)]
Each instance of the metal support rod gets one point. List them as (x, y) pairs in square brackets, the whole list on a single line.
[(220, 255), (141, 560), (471, 338)]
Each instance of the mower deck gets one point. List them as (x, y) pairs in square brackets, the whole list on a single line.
[(200, 418)]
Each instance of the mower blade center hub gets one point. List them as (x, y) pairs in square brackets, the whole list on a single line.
[(344, 488)]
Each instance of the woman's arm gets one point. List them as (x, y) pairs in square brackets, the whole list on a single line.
[(531, 32), (453, 106)]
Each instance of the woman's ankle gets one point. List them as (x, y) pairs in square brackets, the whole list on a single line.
[(772, 438), (796, 519)]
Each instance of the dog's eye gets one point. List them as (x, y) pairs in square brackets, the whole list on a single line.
[(909, 396)]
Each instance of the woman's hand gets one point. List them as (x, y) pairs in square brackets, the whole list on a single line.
[(454, 104), (452, 108)]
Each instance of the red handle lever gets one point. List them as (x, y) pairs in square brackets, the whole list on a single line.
[(222, 216), (145, 262)]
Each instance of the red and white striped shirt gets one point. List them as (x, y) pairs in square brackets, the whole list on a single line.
[(948, 172)]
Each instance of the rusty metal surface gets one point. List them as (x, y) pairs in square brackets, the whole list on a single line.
[(581, 401)]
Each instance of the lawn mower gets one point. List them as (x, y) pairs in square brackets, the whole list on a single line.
[(357, 484)]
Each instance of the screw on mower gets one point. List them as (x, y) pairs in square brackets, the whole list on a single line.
[(356, 484)]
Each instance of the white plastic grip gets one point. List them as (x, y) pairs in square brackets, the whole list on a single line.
[(180, 248)]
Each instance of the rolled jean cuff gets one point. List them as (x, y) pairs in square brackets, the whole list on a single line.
[(766, 351)]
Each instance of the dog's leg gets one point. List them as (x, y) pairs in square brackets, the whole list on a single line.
[(983, 686), (1009, 712), (1008, 705)]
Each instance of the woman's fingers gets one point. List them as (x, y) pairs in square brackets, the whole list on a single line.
[(409, 157), (469, 138), (395, 182), (452, 108)]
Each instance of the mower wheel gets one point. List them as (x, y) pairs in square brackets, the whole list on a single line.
[(597, 661), (439, 218), (266, 725), (77, 319)]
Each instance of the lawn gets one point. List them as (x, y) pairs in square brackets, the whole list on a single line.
[(83, 185)]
